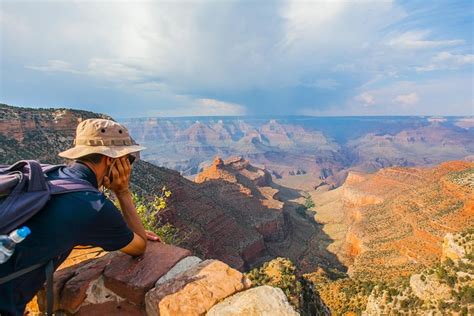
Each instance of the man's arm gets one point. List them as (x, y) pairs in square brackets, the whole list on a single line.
[(138, 244), (121, 175)]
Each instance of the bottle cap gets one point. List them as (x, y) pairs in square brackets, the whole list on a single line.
[(23, 232)]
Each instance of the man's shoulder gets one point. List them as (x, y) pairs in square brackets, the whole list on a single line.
[(83, 199)]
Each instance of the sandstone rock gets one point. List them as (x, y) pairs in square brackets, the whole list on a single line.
[(375, 306), (74, 291), (180, 267), (200, 287), (71, 284), (259, 301), (430, 289), (60, 279), (132, 277), (110, 308), (451, 249)]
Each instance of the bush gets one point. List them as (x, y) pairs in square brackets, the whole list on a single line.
[(149, 209), (309, 203)]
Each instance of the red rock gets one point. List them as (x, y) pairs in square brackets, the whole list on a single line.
[(74, 291), (60, 279), (111, 308), (132, 277)]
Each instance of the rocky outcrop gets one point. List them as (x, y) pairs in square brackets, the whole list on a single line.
[(429, 288), (166, 280), (53, 128), (200, 287), (392, 223), (209, 221), (442, 289), (260, 301), (256, 196), (412, 146), (261, 141), (452, 249)]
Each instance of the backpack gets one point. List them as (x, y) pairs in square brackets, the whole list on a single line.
[(24, 191)]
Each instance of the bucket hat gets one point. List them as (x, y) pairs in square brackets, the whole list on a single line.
[(101, 136)]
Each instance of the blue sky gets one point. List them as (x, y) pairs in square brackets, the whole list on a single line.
[(179, 58)]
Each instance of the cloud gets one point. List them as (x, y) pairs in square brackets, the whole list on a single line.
[(216, 107), (366, 98), (266, 57), (55, 65), (415, 40), (447, 60), (200, 107), (407, 99), (446, 95)]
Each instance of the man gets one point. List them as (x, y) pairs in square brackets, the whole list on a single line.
[(102, 155)]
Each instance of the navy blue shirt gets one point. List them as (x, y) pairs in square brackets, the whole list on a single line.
[(67, 220)]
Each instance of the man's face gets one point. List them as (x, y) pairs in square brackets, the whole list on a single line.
[(112, 161)]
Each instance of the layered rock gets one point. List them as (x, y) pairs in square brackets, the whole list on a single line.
[(393, 222), (52, 128), (443, 289), (414, 146), (166, 280), (252, 190), (209, 225), (272, 142)]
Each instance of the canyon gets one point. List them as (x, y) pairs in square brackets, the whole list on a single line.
[(324, 147), (350, 201), (392, 223)]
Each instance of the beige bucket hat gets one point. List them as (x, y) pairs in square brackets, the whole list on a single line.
[(100, 136)]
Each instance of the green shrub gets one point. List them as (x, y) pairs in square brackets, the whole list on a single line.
[(149, 209), (309, 203)]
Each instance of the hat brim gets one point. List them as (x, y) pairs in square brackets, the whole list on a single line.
[(109, 151)]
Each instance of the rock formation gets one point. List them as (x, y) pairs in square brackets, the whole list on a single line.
[(444, 289), (166, 280), (393, 222), (233, 221), (296, 145)]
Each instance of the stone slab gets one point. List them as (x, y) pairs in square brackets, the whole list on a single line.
[(131, 277), (196, 290), (260, 301)]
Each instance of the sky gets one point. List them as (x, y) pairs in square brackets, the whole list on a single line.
[(187, 58)]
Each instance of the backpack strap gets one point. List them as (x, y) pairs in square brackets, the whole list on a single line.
[(49, 272), (51, 168), (60, 186), (36, 179), (21, 272)]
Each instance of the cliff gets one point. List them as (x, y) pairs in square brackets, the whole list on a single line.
[(446, 288), (256, 198), (186, 144), (392, 222), (216, 219), (272, 209)]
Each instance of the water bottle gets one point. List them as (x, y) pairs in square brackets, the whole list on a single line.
[(8, 242)]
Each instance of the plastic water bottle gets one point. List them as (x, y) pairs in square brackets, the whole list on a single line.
[(8, 242)]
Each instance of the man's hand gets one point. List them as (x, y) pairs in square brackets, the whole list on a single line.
[(121, 170), (152, 236)]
